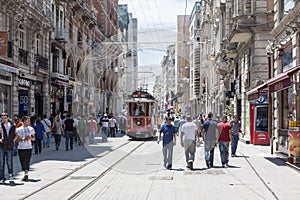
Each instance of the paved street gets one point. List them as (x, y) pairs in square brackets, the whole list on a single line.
[(126, 169)]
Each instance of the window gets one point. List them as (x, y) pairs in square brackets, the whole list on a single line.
[(21, 38), (287, 59), (2, 27), (288, 110), (38, 45), (250, 57), (248, 6)]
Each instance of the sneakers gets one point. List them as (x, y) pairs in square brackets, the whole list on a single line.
[(207, 163), (169, 167), (25, 178), (11, 177), (191, 165), (233, 155)]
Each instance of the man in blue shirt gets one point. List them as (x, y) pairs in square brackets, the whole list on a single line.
[(169, 140)]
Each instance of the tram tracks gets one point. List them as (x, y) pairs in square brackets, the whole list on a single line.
[(68, 175), (90, 184)]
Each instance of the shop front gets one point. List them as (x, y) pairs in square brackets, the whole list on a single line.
[(7, 74)]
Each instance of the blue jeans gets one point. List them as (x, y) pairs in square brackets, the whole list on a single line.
[(168, 154), (16, 144), (91, 137), (104, 132), (224, 151), (6, 155), (46, 140), (209, 150), (234, 144), (69, 139)]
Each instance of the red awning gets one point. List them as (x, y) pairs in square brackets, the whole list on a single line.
[(282, 81), (277, 83)]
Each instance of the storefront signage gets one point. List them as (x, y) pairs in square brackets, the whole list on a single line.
[(3, 43), (285, 83), (23, 103), (24, 82)]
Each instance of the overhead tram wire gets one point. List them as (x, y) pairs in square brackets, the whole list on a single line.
[(160, 22)]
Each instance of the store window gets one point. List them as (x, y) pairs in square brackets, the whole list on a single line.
[(288, 110), (5, 103)]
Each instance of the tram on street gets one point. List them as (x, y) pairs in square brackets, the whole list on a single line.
[(141, 115)]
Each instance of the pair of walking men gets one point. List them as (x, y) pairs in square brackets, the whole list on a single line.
[(213, 134), (189, 133)]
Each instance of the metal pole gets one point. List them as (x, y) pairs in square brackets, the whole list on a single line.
[(270, 104)]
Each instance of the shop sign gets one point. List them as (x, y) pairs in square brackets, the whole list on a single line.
[(3, 43), (24, 82), (284, 84)]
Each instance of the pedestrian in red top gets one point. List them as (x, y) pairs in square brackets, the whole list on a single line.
[(224, 139)]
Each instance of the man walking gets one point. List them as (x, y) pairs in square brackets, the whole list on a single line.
[(18, 123), (25, 136), (47, 125), (7, 136), (209, 134), (224, 140), (188, 136), (169, 140), (236, 129), (69, 126), (104, 127)]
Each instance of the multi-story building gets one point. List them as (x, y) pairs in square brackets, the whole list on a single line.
[(53, 60), (282, 86), (25, 28), (182, 64)]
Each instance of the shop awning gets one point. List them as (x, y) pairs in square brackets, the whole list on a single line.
[(282, 81), (277, 83)]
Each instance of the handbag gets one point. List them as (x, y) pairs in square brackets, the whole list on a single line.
[(53, 129)]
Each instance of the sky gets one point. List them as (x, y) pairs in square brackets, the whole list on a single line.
[(156, 30)]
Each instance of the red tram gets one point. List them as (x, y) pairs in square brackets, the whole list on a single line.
[(141, 115)]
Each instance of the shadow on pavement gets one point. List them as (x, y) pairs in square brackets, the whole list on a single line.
[(11, 184), (276, 161), (78, 154)]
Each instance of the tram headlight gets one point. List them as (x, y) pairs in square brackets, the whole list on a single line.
[(138, 122)]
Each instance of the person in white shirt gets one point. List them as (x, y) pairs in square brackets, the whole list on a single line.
[(113, 126), (47, 125), (188, 136), (25, 135)]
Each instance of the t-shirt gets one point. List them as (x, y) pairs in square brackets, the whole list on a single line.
[(189, 129), (168, 133), (104, 122), (224, 129), (47, 124), (92, 126), (235, 127), (24, 132), (69, 125), (210, 127), (112, 123), (39, 131)]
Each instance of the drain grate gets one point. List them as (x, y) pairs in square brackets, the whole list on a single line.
[(164, 178), (82, 177)]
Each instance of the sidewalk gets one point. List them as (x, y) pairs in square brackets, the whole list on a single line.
[(52, 165)]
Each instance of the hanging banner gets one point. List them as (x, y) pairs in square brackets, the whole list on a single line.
[(3, 43)]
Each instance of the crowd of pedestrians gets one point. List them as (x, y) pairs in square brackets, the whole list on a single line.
[(194, 131), (33, 134)]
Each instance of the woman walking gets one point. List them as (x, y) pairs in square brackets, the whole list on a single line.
[(57, 131)]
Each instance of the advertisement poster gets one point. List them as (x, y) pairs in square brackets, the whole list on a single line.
[(3, 43), (294, 143), (23, 103)]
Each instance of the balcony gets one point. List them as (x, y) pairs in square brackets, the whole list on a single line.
[(60, 34), (240, 26), (23, 55), (41, 62)]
